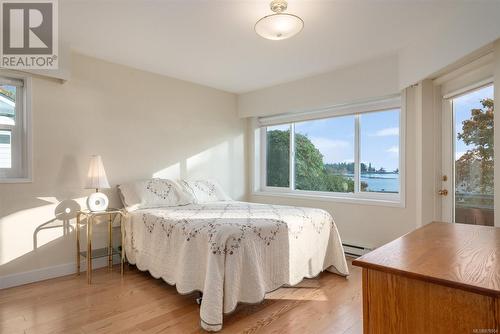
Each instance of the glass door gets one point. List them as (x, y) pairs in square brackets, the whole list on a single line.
[(471, 165)]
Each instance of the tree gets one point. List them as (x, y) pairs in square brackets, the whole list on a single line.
[(278, 155), (478, 131), (370, 168), (309, 167), (310, 171), (340, 168), (363, 168)]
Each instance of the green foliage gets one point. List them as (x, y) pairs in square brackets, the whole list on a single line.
[(348, 168), (309, 168), (340, 168), (310, 171), (278, 158), (478, 131)]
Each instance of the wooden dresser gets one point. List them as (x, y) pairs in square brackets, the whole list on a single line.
[(440, 278)]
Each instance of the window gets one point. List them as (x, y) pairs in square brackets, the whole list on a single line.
[(352, 155), (473, 115), (379, 150), (278, 156), (5, 149), (324, 155), (14, 129)]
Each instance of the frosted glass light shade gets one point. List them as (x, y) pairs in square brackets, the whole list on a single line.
[(279, 26), (96, 177)]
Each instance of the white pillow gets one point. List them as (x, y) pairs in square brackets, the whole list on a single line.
[(204, 191), (153, 193)]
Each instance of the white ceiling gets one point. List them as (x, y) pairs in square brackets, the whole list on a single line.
[(213, 42)]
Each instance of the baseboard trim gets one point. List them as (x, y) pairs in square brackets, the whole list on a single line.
[(42, 274), (355, 250)]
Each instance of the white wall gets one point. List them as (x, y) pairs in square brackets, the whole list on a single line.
[(428, 147), (372, 79), (467, 27), (141, 123)]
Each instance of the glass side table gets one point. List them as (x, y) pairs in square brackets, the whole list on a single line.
[(110, 251)]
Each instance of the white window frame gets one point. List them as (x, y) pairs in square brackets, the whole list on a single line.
[(449, 136), (21, 132), (372, 198)]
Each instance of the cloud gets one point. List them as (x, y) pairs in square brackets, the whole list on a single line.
[(458, 155), (387, 132), (393, 149), (473, 99), (333, 150), (328, 144)]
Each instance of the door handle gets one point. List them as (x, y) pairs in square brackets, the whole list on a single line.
[(443, 192)]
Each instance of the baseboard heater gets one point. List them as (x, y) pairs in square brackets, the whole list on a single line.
[(356, 251)]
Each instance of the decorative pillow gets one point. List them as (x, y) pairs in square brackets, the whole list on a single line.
[(204, 191), (153, 193)]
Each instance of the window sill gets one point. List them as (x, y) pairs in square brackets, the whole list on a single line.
[(349, 199), (16, 180)]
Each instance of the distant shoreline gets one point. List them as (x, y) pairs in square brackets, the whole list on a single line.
[(374, 175)]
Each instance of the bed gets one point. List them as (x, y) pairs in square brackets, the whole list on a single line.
[(233, 252)]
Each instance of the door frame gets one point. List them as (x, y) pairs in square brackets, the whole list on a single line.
[(448, 139), (447, 161)]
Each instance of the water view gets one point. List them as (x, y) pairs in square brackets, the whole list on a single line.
[(378, 182)]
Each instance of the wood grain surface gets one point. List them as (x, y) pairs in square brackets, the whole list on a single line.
[(138, 303), (456, 255), (398, 304)]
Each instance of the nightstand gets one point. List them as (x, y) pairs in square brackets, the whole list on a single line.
[(110, 251)]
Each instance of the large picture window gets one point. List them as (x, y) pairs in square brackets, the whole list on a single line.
[(350, 155), (14, 129)]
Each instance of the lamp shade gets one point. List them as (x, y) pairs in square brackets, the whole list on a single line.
[(96, 177), (279, 26)]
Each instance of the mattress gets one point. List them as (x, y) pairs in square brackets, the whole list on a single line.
[(231, 251)]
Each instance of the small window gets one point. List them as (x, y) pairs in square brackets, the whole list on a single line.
[(14, 129)]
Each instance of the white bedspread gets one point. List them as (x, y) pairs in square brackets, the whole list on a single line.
[(232, 251)]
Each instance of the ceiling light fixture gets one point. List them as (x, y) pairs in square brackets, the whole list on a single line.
[(279, 25)]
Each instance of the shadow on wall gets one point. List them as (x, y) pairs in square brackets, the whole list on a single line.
[(64, 212), (30, 232), (39, 232)]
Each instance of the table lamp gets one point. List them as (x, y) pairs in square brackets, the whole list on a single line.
[(96, 179)]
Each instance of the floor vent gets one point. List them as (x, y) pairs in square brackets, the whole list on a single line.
[(355, 251)]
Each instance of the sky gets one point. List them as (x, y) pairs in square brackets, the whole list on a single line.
[(462, 106), (334, 137)]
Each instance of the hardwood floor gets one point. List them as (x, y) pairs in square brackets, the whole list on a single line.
[(138, 303)]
